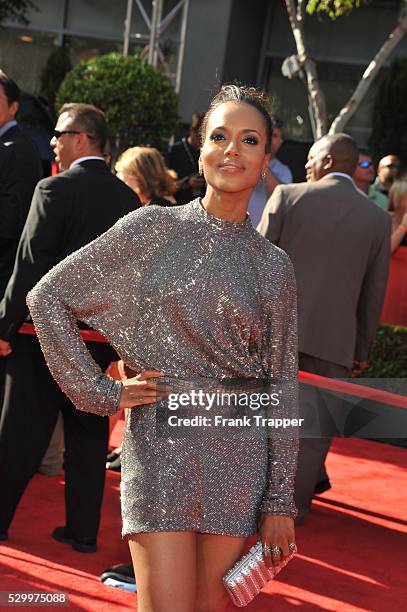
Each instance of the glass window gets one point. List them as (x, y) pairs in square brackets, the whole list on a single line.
[(101, 17), (138, 25), (83, 48), (338, 82), (50, 14), (23, 55), (356, 37), (290, 101)]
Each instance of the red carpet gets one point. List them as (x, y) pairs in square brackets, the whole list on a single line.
[(352, 547)]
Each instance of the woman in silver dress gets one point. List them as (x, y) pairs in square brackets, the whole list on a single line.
[(195, 297)]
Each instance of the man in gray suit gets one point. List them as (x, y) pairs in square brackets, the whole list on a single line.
[(339, 243)]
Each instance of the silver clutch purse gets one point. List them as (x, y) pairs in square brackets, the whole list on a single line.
[(250, 574)]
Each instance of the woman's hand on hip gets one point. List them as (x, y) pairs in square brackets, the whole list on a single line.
[(142, 389), (277, 536)]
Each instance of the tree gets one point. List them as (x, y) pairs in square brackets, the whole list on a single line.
[(336, 8), (15, 10), (53, 74), (389, 134), (139, 102)]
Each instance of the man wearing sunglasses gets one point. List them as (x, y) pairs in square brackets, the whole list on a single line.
[(388, 171), (363, 178), (67, 212)]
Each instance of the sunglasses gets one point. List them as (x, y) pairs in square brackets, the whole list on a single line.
[(58, 133), (365, 164)]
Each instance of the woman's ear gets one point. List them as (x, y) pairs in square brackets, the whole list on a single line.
[(266, 163)]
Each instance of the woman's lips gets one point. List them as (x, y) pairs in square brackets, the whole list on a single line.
[(230, 168)]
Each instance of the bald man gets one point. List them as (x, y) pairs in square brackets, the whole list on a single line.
[(340, 248), (388, 171)]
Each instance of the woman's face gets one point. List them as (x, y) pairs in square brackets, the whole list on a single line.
[(233, 153), (133, 182)]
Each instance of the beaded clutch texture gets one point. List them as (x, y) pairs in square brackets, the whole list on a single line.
[(250, 574)]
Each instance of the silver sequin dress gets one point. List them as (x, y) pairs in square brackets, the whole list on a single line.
[(204, 301)]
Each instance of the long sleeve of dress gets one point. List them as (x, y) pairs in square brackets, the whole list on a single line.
[(84, 286), (283, 448), (203, 300)]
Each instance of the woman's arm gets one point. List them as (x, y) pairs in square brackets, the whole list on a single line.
[(277, 509), (84, 286), (278, 498)]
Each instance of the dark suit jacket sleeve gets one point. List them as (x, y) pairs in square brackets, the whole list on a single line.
[(168, 157), (9, 202), (372, 296), (272, 220), (37, 253)]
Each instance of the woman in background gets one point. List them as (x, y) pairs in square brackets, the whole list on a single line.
[(395, 305), (144, 171), (398, 204)]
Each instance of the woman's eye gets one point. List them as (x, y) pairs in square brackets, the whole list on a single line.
[(217, 136), (251, 140)]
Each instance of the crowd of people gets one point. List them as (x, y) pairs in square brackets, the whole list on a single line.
[(160, 257)]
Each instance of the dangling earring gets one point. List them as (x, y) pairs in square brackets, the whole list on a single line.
[(263, 175), (200, 167)]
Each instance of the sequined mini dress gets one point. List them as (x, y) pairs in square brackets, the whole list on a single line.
[(207, 302)]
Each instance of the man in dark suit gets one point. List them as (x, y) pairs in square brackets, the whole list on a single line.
[(28, 168), (67, 212), (339, 243), (183, 157)]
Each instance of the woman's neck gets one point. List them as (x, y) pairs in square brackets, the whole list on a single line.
[(226, 206)]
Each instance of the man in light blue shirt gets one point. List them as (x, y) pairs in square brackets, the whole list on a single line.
[(277, 173)]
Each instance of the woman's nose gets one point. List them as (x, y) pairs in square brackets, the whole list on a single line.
[(232, 148)]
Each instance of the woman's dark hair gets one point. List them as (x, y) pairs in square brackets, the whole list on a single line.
[(248, 95)]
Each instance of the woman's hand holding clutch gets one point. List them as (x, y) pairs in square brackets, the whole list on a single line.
[(277, 536), (141, 390)]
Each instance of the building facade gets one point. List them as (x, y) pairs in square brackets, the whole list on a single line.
[(226, 40)]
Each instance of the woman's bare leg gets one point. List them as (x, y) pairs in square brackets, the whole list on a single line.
[(216, 554), (165, 569)]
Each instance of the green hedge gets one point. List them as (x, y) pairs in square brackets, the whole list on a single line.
[(139, 101), (388, 358)]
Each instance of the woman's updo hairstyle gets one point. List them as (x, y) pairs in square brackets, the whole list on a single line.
[(242, 94)]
